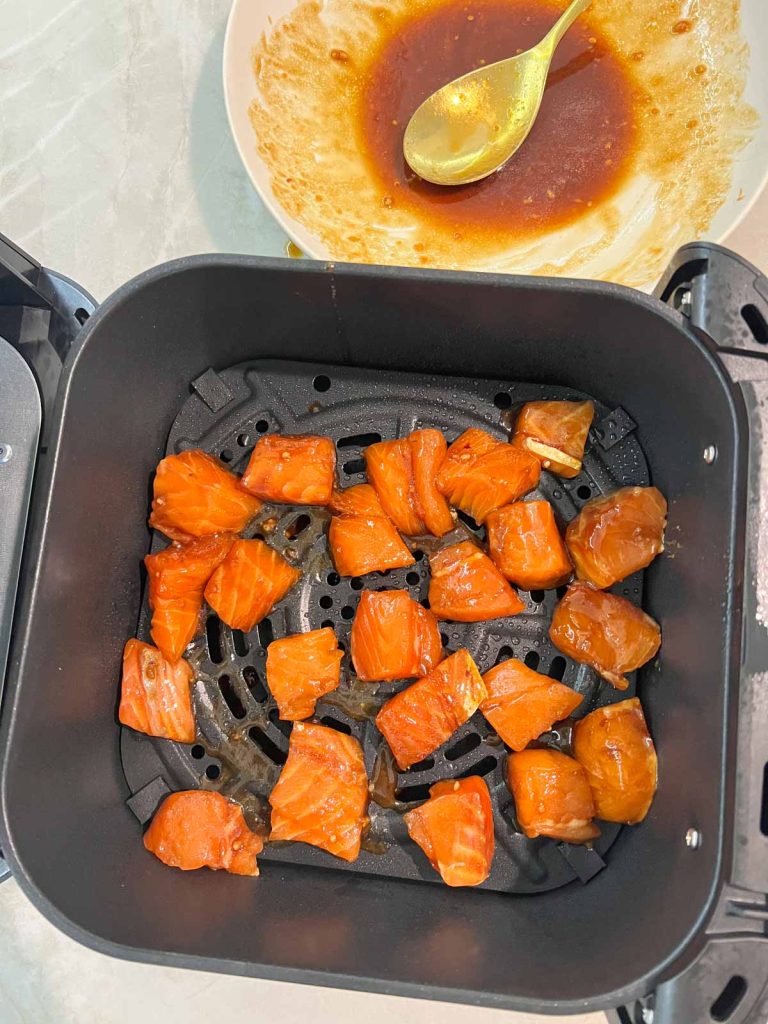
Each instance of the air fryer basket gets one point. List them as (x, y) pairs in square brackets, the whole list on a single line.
[(72, 839)]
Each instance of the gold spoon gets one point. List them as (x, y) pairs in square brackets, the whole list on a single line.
[(472, 126)]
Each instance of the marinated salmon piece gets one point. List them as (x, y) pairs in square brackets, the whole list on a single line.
[(177, 577), (389, 465), (617, 534), (467, 587), (361, 536), (322, 793), (522, 704), (614, 747), (428, 448), (525, 544), (195, 495), (556, 433), (454, 828), (604, 631), (301, 669), (552, 796), (480, 474), (197, 829), (293, 470), (393, 637), (155, 695), (416, 721), (249, 583)]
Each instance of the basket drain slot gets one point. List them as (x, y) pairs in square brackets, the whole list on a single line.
[(728, 1001)]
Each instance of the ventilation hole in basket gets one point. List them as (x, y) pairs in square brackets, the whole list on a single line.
[(467, 520), (298, 526), (240, 643), (267, 745), (504, 654), (255, 686), (231, 699), (213, 639), (333, 579), (227, 455), (321, 382), (262, 426), (483, 767), (425, 603), (347, 612), (469, 742), (444, 640), (334, 723), (81, 315), (423, 766), (243, 440), (213, 771), (584, 492), (358, 440), (410, 794), (537, 596), (561, 592), (327, 624), (728, 1001), (354, 466), (557, 668), (502, 400), (266, 633), (198, 752), (326, 601), (280, 723), (418, 555), (755, 321), (532, 659), (356, 583), (412, 579)]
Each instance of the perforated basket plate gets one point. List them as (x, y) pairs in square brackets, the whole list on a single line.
[(241, 742)]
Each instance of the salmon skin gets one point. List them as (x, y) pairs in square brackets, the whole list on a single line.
[(177, 577), (480, 474), (604, 631), (197, 829), (466, 586), (301, 669), (155, 695), (195, 495), (249, 583), (297, 470), (403, 473), (617, 534), (525, 544), (556, 433), (393, 637), (523, 704), (419, 719), (614, 747), (454, 828), (322, 793), (361, 536), (552, 796)]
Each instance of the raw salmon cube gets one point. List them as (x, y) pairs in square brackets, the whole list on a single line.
[(419, 719), (454, 828), (615, 535), (249, 583), (195, 495), (522, 704), (361, 537), (196, 829), (155, 694), (293, 470), (614, 746), (322, 793), (605, 631), (404, 474), (467, 587), (301, 669), (393, 637), (177, 576), (556, 433), (480, 474), (525, 544), (552, 796)]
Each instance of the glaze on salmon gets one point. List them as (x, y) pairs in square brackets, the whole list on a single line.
[(552, 796), (555, 433), (155, 696), (523, 704), (466, 586), (525, 544), (361, 537), (298, 470), (393, 637), (301, 669), (322, 793), (195, 495), (403, 473), (249, 583)]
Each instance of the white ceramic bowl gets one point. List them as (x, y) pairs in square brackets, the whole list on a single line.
[(250, 20)]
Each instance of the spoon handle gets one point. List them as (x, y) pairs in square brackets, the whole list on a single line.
[(563, 23)]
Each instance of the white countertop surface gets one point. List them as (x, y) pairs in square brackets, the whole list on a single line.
[(115, 155)]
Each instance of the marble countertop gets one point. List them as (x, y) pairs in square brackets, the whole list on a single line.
[(116, 156)]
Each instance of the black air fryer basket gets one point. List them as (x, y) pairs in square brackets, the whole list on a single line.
[(665, 921)]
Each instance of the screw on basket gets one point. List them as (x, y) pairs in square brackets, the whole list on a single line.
[(6, 452), (710, 454), (693, 839)]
